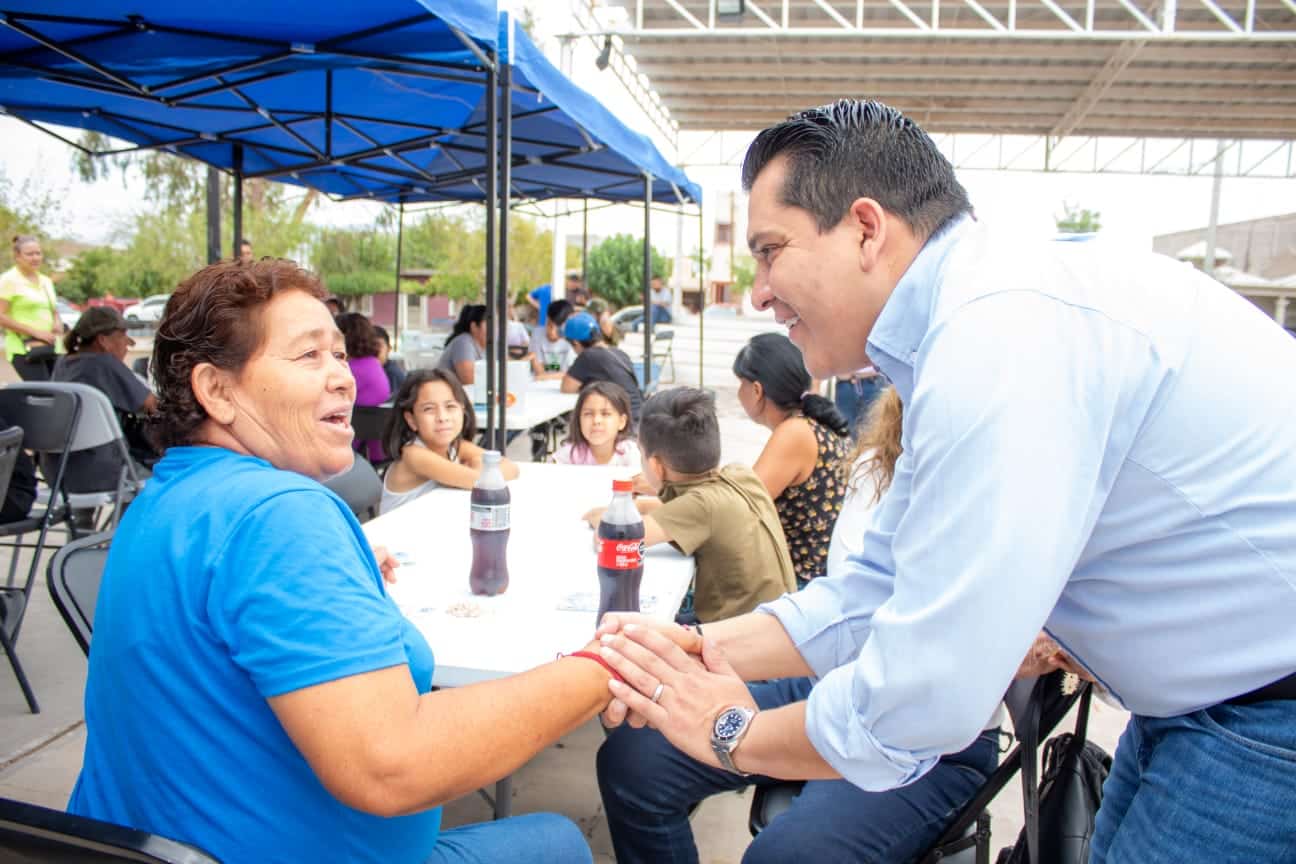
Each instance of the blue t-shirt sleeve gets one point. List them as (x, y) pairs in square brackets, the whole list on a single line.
[(297, 596)]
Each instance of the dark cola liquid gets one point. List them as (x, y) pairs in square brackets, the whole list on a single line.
[(620, 567), (490, 511)]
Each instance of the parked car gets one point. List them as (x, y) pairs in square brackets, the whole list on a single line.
[(420, 349), (121, 304), (67, 313), (629, 319), (147, 311)]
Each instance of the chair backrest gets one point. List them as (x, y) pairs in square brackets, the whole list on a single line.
[(370, 421), (98, 423), (10, 445), (29, 833), (47, 413), (73, 578), (360, 488), (663, 339)]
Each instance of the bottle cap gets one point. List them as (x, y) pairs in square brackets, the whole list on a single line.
[(490, 456), (622, 485)]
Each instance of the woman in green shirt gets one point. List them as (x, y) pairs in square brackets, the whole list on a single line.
[(28, 313)]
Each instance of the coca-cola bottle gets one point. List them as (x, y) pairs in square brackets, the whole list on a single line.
[(489, 526), (621, 550)]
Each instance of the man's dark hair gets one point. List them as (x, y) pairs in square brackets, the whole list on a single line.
[(679, 427), (859, 149), (559, 311)]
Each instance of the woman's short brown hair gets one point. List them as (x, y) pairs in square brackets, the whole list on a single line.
[(213, 317)]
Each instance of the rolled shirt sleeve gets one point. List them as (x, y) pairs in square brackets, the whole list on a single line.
[(1014, 446)]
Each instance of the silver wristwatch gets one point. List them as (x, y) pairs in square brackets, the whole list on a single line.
[(727, 733)]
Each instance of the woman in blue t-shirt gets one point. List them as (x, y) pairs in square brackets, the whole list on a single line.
[(252, 689)]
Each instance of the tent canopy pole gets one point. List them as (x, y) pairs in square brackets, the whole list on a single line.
[(647, 282)]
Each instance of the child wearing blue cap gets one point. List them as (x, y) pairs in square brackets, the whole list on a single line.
[(598, 361)]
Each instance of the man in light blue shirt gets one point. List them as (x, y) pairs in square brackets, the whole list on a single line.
[(1099, 444)]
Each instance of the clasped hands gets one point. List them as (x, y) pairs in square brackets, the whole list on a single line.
[(675, 681)]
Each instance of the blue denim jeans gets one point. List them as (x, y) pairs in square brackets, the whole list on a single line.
[(537, 838), (648, 788), (1217, 785), (853, 398)]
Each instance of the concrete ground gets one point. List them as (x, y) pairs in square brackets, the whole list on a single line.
[(40, 755)]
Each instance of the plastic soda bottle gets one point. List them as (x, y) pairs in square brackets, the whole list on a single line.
[(489, 526), (621, 551)]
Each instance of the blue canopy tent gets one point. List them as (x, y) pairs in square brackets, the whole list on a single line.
[(402, 109), (293, 89), (558, 142)]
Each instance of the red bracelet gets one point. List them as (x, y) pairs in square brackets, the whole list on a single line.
[(590, 655)]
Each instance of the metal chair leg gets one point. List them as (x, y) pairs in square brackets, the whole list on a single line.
[(18, 671), (13, 559)]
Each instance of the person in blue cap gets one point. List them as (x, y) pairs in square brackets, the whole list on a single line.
[(598, 361)]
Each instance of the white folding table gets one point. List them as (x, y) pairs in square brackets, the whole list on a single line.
[(552, 598), (544, 401)]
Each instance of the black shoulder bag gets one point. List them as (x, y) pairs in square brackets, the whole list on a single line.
[(1060, 808)]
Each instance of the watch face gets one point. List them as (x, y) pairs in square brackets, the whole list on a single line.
[(729, 724)]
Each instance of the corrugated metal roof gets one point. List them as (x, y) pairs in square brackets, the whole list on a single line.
[(1207, 69)]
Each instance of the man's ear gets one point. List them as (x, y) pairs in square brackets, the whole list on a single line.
[(868, 223), (212, 388)]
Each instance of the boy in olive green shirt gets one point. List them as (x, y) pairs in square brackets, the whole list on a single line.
[(723, 517)]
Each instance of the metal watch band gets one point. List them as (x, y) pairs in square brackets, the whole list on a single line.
[(727, 763)]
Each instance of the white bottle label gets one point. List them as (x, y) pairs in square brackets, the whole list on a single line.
[(489, 517)]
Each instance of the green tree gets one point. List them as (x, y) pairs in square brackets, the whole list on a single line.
[(28, 209), (1077, 220), (530, 257), (616, 269), (94, 273), (354, 261), (176, 187), (453, 246)]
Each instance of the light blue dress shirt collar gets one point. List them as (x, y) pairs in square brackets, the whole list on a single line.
[(906, 316)]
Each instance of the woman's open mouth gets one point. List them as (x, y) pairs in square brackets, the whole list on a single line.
[(340, 419)]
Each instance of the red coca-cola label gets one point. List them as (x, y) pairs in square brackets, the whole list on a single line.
[(621, 554)]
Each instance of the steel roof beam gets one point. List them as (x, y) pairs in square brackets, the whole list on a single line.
[(786, 51), (1098, 87)]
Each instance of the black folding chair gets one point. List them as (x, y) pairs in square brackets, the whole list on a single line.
[(48, 417), (38, 835), (10, 447), (73, 579), (98, 433), (370, 424), (360, 487)]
